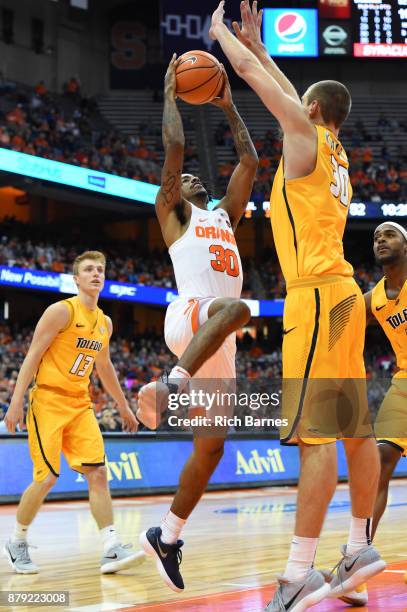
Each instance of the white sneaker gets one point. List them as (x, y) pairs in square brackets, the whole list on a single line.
[(299, 596), (118, 557), (359, 597), (354, 570), (19, 558)]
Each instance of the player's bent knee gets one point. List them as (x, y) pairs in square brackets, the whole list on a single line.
[(97, 477), (48, 482), (240, 312), (389, 457), (207, 450)]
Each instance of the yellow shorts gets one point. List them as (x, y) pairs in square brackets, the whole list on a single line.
[(391, 421), (324, 378), (59, 423)]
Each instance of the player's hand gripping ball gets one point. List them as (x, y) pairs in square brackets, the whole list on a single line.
[(199, 77)]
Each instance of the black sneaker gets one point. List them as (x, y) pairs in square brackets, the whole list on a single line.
[(168, 557)]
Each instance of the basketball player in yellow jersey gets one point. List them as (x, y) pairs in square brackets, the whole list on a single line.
[(71, 336), (324, 311), (387, 304)]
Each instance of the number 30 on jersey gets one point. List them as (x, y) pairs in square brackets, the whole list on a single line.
[(340, 184)]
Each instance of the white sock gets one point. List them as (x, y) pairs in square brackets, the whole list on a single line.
[(301, 558), (180, 377), (109, 537), (360, 534), (171, 528), (20, 532)]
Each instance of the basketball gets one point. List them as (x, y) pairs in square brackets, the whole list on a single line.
[(199, 77)]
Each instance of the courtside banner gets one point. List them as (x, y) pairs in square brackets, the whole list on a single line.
[(63, 283), (138, 465)]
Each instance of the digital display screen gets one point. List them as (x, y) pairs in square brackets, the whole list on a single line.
[(75, 176), (335, 39), (291, 32), (380, 28), (334, 9)]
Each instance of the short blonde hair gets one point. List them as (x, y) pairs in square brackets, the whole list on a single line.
[(94, 255)]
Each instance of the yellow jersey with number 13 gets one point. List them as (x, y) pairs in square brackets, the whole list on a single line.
[(68, 362), (308, 214)]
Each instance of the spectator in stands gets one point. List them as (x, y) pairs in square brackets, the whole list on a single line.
[(40, 89), (37, 125), (72, 87)]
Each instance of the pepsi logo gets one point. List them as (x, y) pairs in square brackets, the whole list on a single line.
[(290, 27)]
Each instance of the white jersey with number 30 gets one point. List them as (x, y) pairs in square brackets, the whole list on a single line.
[(206, 258)]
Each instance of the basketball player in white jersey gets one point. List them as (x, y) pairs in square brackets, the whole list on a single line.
[(200, 324)]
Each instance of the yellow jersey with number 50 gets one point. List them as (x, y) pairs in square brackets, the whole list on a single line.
[(68, 362), (308, 214)]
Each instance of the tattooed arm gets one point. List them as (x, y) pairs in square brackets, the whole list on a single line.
[(169, 195), (241, 182)]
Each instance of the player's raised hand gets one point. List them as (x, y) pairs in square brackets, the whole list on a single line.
[(217, 19), (14, 416), (250, 32), (129, 421), (224, 100), (170, 83)]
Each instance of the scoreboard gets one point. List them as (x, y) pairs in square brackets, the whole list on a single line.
[(380, 28), (332, 28)]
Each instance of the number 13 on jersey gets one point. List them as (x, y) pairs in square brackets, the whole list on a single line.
[(81, 364)]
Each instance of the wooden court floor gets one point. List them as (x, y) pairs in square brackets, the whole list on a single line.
[(235, 543)]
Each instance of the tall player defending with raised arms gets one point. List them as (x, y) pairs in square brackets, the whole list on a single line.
[(387, 304), (323, 310), (70, 338), (200, 324)]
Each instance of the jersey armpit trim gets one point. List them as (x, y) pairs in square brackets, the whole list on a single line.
[(71, 315)]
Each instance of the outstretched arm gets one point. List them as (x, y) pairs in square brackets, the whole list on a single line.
[(169, 194), (241, 182), (250, 36), (288, 111), (300, 136)]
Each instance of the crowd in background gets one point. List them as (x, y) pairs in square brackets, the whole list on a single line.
[(142, 358), (383, 178), (377, 178), (64, 128), (68, 128), (22, 247)]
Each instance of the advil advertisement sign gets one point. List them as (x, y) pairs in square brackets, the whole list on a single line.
[(291, 32), (137, 464)]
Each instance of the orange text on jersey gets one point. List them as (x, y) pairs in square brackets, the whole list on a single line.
[(215, 232)]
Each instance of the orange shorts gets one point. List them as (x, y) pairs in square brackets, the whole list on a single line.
[(324, 378), (58, 424)]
